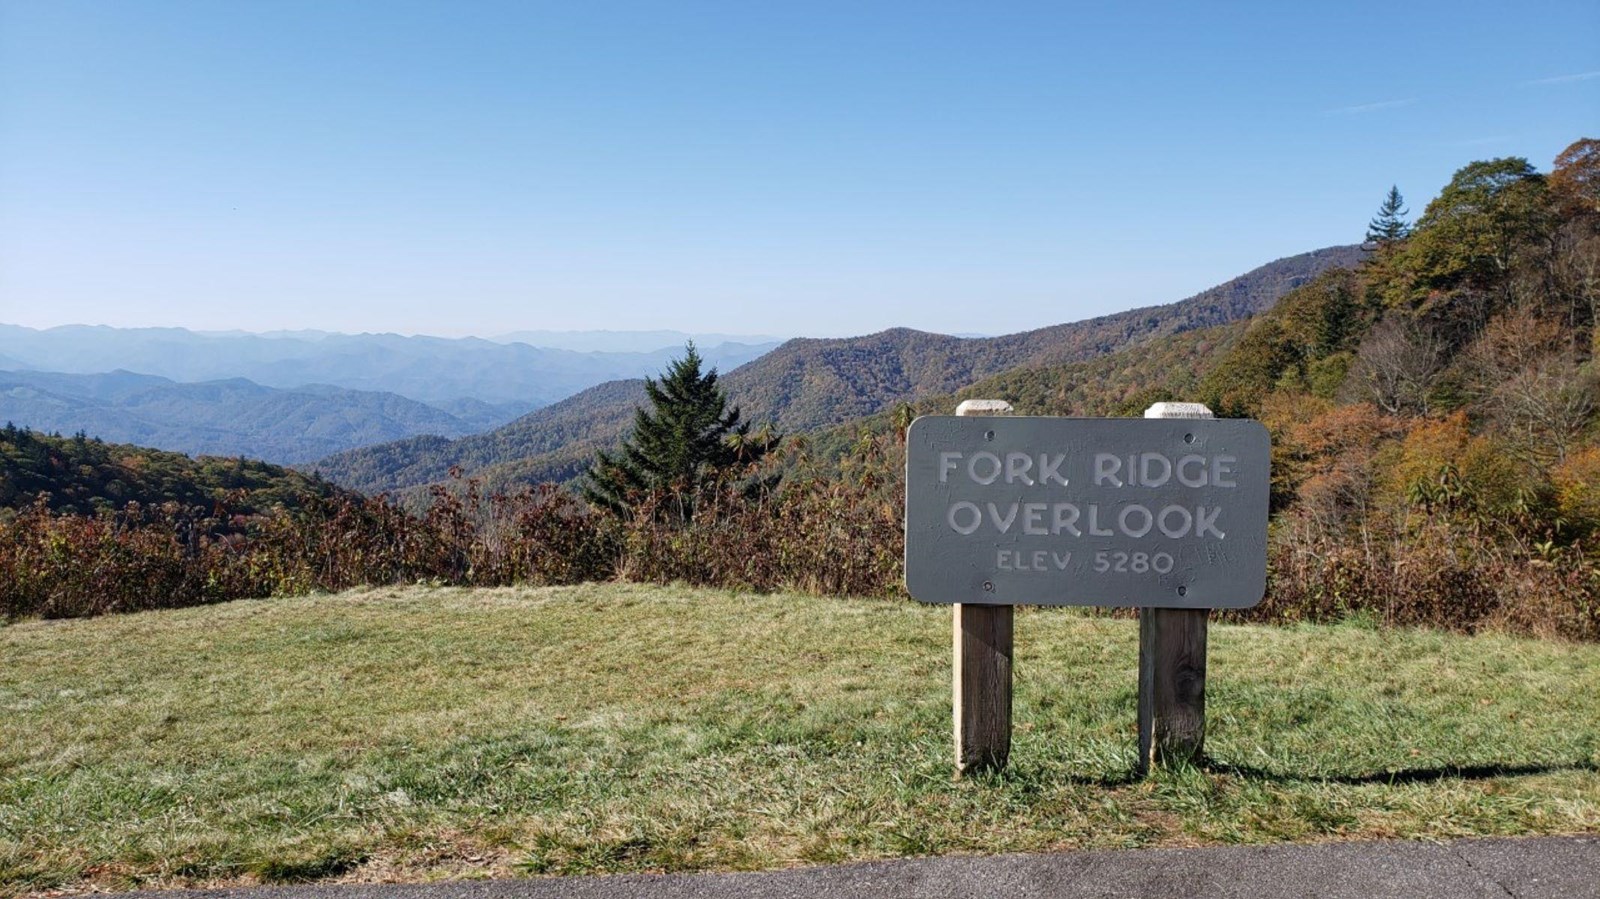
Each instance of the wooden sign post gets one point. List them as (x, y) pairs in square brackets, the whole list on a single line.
[(1167, 515), (1172, 663), (980, 684)]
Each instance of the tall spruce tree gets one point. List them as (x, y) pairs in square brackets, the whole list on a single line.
[(1390, 224), (688, 438)]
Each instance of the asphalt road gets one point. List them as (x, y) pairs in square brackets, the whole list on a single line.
[(1553, 867)]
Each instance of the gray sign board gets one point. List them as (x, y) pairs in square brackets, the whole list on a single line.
[(1087, 511)]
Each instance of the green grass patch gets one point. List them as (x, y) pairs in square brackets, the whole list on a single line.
[(415, 734)]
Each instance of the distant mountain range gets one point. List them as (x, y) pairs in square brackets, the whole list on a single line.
[(629, 341), (233, 417), (432, 370), (809, 384)]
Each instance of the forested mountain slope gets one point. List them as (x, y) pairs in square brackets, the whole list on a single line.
[(812, 383), (807, 384), (233, 417), (83, 475), (1119, 384), (553, 443)]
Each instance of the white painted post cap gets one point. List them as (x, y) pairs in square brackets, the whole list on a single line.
[(983, 407), (1179, 410)]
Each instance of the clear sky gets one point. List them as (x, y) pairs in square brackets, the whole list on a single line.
[(796, 168)]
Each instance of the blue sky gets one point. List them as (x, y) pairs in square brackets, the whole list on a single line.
[(791, 168)]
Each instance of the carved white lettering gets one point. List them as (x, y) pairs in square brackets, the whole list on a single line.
[(1151, 476), (1222, 467), (1004, 524), (1064, 517), (1050, 468), (972, 468), (1157, 469), (1106, 466), (1017, 467), (1135, 530), (1133, 520), (975, 521), (1188, 480), (947, 464), (1033, 519), (1167, 528), (1037, 560)]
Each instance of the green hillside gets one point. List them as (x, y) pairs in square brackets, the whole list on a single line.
[(85, 475)]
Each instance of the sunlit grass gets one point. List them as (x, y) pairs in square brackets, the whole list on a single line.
[(426, 733)]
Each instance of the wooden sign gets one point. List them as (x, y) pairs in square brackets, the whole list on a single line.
[(1156, 512)]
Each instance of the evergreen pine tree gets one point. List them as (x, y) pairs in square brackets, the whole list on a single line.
[(690, 437), (1390, 224)]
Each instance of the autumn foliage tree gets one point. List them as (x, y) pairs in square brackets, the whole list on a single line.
[(1472, 231), (1575, 179)]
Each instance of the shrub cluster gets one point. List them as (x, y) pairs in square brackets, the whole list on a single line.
[(58, 564), (818, 534), (1426, 557), (1430, 575), (822, 534)]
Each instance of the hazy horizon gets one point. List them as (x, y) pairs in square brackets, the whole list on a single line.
[(322, 332), (519, 334)]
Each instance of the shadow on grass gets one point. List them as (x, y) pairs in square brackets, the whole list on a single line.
[(1403, 776), (1016, 776)]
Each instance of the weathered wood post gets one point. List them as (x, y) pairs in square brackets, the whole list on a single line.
[(1172, 663), (980, 683)]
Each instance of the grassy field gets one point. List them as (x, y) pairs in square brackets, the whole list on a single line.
[(420, 733)]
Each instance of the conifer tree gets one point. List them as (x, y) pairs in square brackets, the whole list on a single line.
[(1390, 224), (688, 438)]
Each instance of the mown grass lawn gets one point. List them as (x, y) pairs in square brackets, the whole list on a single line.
[(424, 733)]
